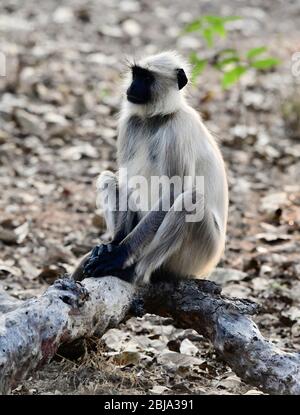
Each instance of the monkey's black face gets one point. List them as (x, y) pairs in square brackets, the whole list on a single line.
[(139, 91)]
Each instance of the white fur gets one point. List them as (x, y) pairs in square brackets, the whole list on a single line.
[(185, 145)]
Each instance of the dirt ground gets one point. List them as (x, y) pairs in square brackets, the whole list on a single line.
[(58, 112)]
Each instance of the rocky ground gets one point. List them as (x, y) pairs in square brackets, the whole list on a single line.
[(58, 109)]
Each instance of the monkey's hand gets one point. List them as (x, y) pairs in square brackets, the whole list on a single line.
[(109, 259)]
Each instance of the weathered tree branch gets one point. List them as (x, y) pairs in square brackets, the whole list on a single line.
[(31, 334), (225, 322), (8, 303)]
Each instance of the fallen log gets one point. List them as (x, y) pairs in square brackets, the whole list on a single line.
[(31, 334), (226, 323), (8, 303)]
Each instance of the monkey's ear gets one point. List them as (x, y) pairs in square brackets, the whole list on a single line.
[(181, 78)]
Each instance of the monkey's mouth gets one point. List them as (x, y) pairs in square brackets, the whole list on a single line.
[(134, 99)]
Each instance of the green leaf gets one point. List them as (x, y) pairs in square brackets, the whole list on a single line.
[(228, 51), (226, 57), (255, 52), (219, 28), (193, 26), (208, 35), (215, 24), (212, 19), (227, 61), (265, 63), (232, 76)]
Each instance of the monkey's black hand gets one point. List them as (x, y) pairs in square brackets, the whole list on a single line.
[(108, 260)]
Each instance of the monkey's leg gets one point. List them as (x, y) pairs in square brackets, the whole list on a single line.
[(127, 252), (119, 223), (159, 235), (171, 236), (166, 241)]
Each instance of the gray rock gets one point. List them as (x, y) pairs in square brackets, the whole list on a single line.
[(29, 123), (224, 275)]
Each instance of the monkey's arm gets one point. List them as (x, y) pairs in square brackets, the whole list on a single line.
[(161, 234), (129, 236), (123, 256), (119, 222)]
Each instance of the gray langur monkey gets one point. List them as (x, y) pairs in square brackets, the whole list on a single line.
[(161, 135)]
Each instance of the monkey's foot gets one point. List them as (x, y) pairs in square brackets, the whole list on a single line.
[(109, 259)]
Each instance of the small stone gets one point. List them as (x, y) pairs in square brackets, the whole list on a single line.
[(112, 31), (56, 119), (63, 15), (260, 284), (29, 123), (230, 382), (129, 6), (188, 348), (7, 236), (273, 201), (131, 28), (159, 389), (224, 275), (4, 137), (98, 221), (174, 360)]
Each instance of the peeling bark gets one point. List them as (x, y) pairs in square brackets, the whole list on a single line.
[(226, 323), (31, 334), (8, 303)]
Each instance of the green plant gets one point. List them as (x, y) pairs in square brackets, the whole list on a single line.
[(229, 62)]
